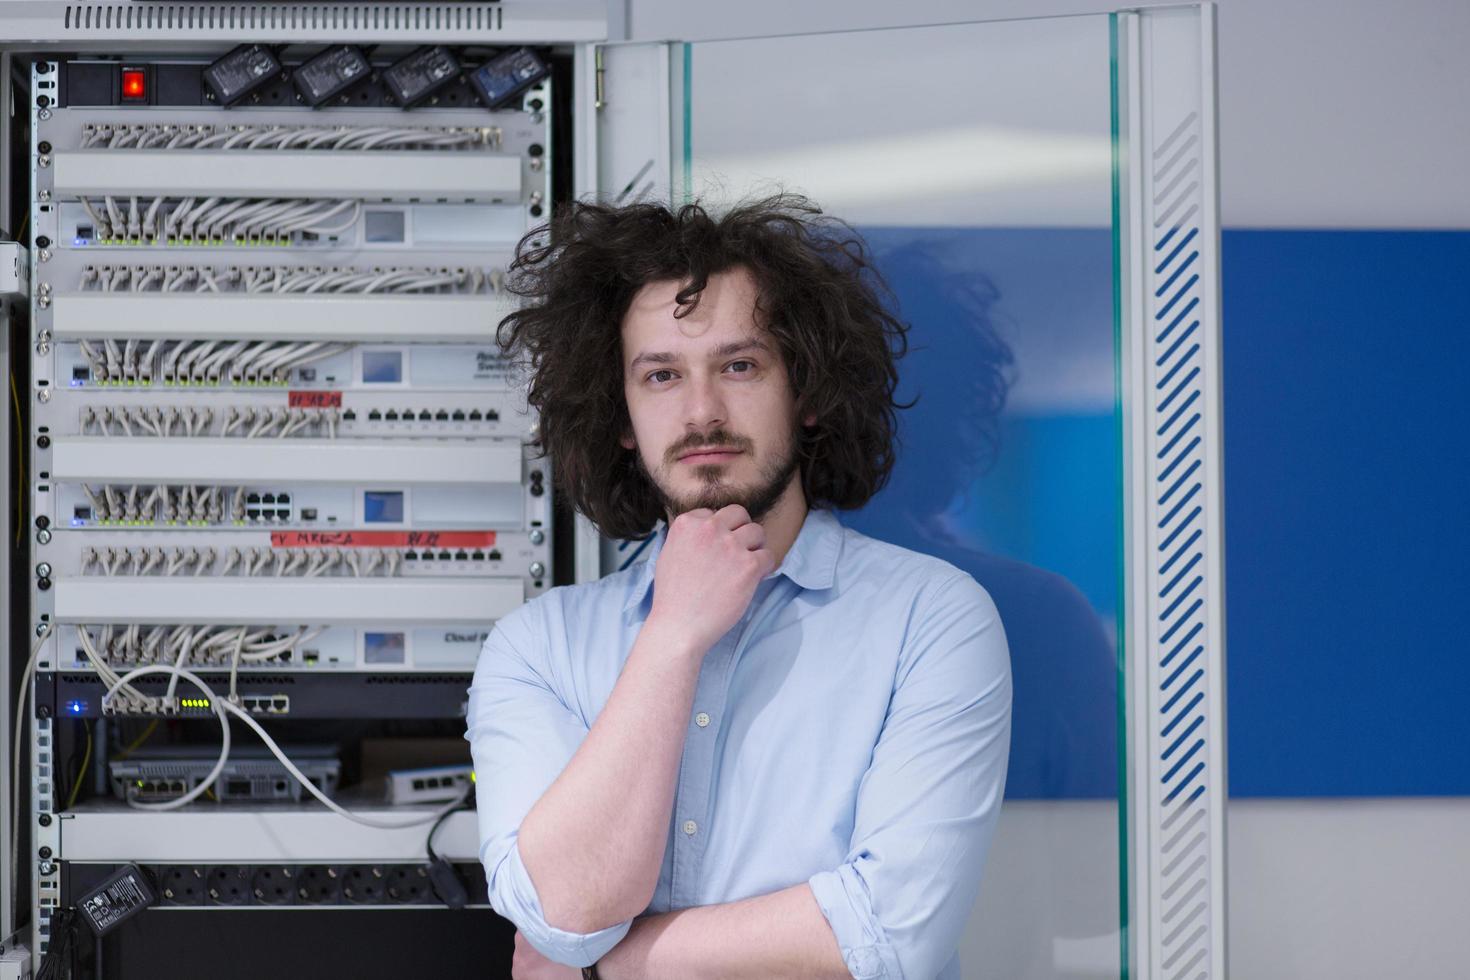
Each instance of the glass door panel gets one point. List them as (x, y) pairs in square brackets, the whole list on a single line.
[(976, 159)]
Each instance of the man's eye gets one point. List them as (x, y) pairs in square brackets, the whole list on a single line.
[(741, 367), (659, 377)]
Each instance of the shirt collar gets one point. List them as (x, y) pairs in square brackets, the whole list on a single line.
[(811, 563)]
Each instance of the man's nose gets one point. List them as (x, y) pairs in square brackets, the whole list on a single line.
[(705, 407)]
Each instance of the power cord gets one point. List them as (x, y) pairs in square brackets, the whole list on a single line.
[(446, 881), (61, 954)]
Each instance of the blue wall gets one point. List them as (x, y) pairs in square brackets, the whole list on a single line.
[(1347, 403), (1347, 408)]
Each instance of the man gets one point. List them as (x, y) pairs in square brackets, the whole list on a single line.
[(777, 747)]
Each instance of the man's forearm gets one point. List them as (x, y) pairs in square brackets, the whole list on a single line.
[(594, 843), (783, 934)]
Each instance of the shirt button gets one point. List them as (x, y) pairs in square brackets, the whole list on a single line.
[(702, 720), (690, 827)]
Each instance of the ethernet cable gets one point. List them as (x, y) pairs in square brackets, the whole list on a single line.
[(102, 225), (216, 705), (150, 226), (114, 357), (250, 649), (303, 358), (94, 360), (105, 671), (116, 219)]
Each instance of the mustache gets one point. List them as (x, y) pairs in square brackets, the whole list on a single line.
[(714, 439)]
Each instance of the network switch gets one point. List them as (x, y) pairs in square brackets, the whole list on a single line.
[(251, 775)]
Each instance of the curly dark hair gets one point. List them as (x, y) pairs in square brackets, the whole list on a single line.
[(820, 298)]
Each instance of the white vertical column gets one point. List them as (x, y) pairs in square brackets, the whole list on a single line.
[(1167, 224), (7, 722), (633, 103)]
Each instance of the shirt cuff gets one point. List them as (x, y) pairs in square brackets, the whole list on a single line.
[(844, 900), (513, 895)]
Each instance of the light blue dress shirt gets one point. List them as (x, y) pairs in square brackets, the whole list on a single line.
[(850, 732)]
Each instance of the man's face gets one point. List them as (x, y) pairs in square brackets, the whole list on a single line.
[(713, 413)]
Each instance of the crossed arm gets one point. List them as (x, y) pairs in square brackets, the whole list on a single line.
[(573, 851), (783, 934)]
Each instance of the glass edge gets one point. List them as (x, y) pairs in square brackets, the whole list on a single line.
[(818, 32), (688, 122), (1122, 688)]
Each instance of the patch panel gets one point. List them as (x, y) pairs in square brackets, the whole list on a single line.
[(383, 645)]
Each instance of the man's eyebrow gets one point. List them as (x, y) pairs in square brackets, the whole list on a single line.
[(740, 346), (653, 357)]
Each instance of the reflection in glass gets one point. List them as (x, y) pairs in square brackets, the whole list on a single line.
[(1023, 501)]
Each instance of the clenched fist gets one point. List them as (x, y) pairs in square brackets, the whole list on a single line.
[(707, 572)]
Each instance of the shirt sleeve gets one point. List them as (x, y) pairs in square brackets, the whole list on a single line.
[(928, 803), (522, 735)]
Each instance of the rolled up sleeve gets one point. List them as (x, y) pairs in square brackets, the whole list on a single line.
[(928, 805), (522, 735)]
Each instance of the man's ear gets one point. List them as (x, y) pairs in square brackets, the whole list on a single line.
[(809, 420), (627, 441)]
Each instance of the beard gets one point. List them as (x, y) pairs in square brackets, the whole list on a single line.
[(715, 491)]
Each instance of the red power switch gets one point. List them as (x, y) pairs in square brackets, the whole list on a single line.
[(133, 87)]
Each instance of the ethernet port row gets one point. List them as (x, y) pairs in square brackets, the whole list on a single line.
[(266, 704), (434, 782), (424, 415)]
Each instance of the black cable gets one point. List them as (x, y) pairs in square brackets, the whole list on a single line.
[(443, 877), (429, 842), (61, 954)]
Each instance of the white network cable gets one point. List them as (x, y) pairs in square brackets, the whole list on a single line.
[(212, 218), (277, 137), (288, 279), (222, 708)]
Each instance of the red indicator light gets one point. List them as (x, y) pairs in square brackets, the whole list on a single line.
[(132, 84)]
